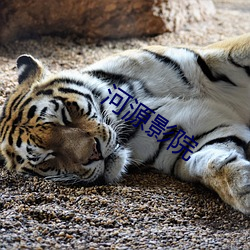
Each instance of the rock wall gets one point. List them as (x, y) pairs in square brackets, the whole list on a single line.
[(98, 19)]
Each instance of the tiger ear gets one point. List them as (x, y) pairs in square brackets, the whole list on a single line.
[(30, 70)]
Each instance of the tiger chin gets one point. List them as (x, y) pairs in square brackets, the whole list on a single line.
[(85, 128)]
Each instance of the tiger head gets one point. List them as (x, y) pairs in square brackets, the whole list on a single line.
[(52, 126)]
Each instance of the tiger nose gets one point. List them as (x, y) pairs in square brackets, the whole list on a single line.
[(96, 153)]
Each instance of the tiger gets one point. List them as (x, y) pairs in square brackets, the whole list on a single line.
[(85, 127)]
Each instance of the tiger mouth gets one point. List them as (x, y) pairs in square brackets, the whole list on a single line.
[(112, 155), (97, 153), (98, 148)]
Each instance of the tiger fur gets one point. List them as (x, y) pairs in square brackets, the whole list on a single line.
[(55, 126)]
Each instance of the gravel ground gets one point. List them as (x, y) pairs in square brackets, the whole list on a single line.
[(144, 211)]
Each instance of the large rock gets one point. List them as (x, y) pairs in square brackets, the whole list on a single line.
[(97, 18)]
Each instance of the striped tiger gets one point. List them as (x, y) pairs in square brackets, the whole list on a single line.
[(72, 127)]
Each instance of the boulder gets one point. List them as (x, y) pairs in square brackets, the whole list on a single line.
[(98, 19)]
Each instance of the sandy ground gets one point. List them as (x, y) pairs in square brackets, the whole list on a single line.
[(146, 210)]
